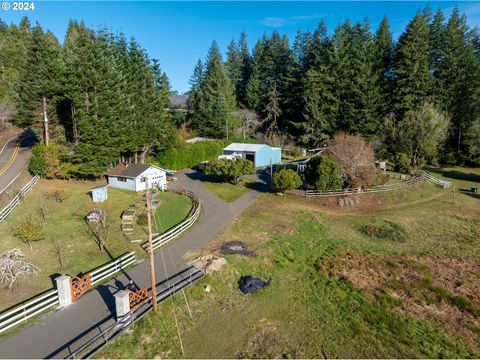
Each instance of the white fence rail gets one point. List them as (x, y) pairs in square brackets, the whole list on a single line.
[(25, 311), (183, 226), (111, 268), (16, 200), (380, 188), (44, 301), (440, 183)]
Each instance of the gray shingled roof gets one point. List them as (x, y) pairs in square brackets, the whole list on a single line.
[(132, 170)]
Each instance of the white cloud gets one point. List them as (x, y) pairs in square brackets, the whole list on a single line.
[(281, 21), (274, 22)]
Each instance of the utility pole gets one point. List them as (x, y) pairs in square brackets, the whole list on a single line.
[(45, 122), (226, 126), (150, 245)]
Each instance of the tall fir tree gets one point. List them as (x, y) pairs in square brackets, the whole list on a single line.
[(216, 97), (383, 66), (459, 71), (412, 71), (39, 82), (358, 90)]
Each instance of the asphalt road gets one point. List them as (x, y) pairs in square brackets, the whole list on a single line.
[(14, 158), (59, 333)]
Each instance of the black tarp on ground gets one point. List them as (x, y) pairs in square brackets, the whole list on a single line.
[(250, 284)]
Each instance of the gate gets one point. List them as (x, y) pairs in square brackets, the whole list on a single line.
[(137, 297), (80, 285)]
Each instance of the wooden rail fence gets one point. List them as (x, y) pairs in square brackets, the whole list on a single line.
[(16, 200), (183, 226), (423, 175)]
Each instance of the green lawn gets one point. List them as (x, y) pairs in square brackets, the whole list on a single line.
[(226, 191), (310, 311), (65, 228), (173, 209)]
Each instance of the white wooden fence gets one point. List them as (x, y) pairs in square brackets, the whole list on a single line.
[(183, 226), (26, 310), (382, 188), (45, 301), (111, 268), (16, 200), (440, 183), (374, 189)]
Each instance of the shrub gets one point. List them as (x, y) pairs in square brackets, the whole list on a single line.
[(142, 219), (286, 179), (59, 195), (230, 170), (186, 155), (324, 173), (402, 163), (390, 231), (29, 231), (46, 161), (37, 163)]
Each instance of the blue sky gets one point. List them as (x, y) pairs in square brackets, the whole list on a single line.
[(179, 33)]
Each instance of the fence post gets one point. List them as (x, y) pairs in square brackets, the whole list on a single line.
[(64, 290), (122, 304)]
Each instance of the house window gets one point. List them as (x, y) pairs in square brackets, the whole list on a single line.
[(143, 179), (122, 179)]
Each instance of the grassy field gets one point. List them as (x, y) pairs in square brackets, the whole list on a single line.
[(397, 276), (65, 229), (174, 209), (226, 191)]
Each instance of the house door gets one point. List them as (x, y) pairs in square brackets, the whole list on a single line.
[(250, 157)]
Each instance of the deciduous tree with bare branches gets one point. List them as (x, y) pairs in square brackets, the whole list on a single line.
[(250, 121), (356, 157), (14, 266)]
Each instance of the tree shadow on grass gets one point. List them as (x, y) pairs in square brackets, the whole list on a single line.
[(197, 175), (455, 174)]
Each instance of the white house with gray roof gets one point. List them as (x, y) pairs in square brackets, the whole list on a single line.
[(136, 176)]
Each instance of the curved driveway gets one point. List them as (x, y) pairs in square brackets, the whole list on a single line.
[(58, 334)]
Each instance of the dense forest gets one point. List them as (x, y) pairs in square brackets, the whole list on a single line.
[(394, 93), (415, 99), (104, 98)]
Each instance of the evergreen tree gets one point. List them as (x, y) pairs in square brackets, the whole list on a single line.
[(460, 73), (437, 58), (39, 81), (319, 96), (358, 90), (272, 110), (254, 85), (412, 60), (383, 66), (245, 70), (215, 96)]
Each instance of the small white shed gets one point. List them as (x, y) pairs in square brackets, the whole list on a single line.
[(135, 177), (99, 193)]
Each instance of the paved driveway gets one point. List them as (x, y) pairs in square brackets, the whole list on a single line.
[(61, 332)]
